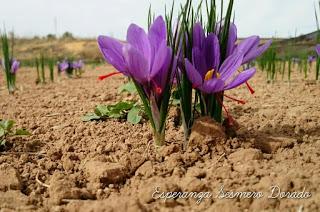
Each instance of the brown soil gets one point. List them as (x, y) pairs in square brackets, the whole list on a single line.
[(68, 165)]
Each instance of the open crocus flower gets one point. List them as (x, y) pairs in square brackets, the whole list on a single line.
[(15, 64), (205, 71), (144, 57), (149, 62), (63, 66), (318, 49)]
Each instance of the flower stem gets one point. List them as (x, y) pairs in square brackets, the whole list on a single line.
[(159, 137)]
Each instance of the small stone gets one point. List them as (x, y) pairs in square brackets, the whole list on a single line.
[(68, 165)]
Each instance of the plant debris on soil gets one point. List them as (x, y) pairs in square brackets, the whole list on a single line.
[(112, 165)]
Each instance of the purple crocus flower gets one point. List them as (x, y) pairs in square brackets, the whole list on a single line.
[(74, 64), (311, 59), (144, 57), (318, 49), (15, 64), (205, 71), (80, 64), (249, 46), (62, 66)]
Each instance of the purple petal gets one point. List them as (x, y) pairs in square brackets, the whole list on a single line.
[(248, 44), (160, 57), (157, 32), (161, 78), (137, 64), (241, 78), (15, 66), (213, 86), (232, 39), (138, 38), (198, 36), (199, 61), (193, 74), (230, 65), (212, 52), (63, 66), (112, 52), (256, 52), (318, 49)]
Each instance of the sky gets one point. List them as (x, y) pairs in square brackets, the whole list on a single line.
[(90, 18)]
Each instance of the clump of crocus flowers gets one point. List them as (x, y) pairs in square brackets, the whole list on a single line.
[(9, 64), (71, 67), (204, 64)]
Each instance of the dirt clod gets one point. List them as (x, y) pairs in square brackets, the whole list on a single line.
[(245, 155), (9, 179), (103, 174)]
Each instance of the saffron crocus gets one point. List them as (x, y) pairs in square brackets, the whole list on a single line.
[(205, 71), (142, 57), (146, 58), (15, 64), (77, 66), (62, 66)]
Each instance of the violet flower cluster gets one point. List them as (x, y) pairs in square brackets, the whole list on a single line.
[(211, 75), (150, 63), (69, 66)]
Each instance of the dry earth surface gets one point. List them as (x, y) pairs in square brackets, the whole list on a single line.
[(69, 165)]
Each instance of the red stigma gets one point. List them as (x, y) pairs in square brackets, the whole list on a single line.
[(250, 88), (237, 100), (108, 75)]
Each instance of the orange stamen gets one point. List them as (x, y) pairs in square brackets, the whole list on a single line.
[(108, 75), (237, 100)]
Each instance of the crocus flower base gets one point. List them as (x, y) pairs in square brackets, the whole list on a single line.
[(159, 138)]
